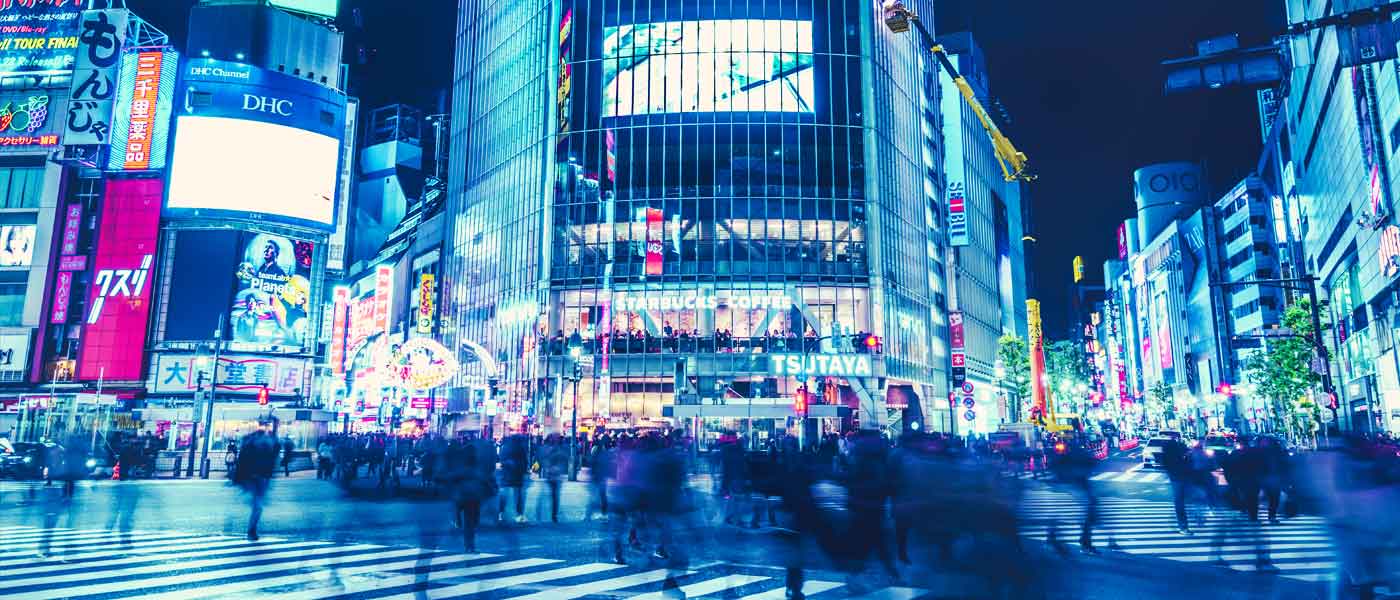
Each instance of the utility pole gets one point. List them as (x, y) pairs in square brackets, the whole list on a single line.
[(209, 407)]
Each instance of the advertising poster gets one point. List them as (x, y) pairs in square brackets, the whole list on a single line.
[(38, 35), (94, 87), (655, 252), (17, 245), (25, 121), (119, 306), (270, 304)]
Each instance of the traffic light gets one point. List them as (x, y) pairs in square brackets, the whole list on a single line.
[(800, 398), (1225, 389), (872, 344), (262, 396)]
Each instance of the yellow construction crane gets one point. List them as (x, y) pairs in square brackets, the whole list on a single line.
[(898, 18)]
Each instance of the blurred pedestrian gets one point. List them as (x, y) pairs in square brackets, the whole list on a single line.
[(515, 462), (256, 463), (554, 465), (287, 449), (1175, 460)]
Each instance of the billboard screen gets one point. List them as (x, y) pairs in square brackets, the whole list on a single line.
[(273, 287), (323, 8), (119, 297), (18, 248), (38, 35), (253, 167), (731, 65), (201, 286), (255, 144), (141, 117)]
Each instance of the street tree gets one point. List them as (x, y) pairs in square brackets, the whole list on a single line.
[(1159, 408), (1283, 376), (1067, 367), (1014, 354)]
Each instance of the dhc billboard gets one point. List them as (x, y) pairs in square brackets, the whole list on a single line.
[(256, 145)]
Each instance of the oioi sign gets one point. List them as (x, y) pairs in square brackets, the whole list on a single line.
[(834, 365)]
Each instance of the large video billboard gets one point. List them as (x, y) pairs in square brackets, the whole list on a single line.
[(38, 36), (270, 304), (255, 144), (114, 331), (708, 66), (323, 8)]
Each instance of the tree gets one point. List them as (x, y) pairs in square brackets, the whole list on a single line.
[(1282, 374), (1015, 357), (1067, 367), (1159, 407)]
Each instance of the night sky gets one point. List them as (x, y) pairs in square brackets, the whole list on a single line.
[(1080, 80)]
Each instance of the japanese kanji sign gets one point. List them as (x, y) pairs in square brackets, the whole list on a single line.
[(94, 89)]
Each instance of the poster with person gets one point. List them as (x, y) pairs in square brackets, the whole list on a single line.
[(271, 301)]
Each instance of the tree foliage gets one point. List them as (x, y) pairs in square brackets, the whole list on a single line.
[(1066, 366), (1015, 357), (1283, 375)]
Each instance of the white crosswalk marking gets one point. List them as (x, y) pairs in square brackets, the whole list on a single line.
[(707, 587), (1301, 547), (809, 588), (404, 580), (603, 585)]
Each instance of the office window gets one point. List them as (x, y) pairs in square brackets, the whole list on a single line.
[(20, 187)]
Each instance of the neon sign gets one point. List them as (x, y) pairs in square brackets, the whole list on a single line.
[(417, 364), (836, 365)]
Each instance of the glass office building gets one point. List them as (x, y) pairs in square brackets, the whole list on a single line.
[(673, 213)]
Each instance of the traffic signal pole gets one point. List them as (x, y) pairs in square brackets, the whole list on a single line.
[(209, 408)]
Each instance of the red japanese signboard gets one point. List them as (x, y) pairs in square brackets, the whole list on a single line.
[(72, 223), (655, 253)]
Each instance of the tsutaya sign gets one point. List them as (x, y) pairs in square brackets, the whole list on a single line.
[(692, 300), (836, 365)]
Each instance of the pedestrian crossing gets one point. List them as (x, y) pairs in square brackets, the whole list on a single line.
[(62, 563), (1299, 548), (1138, 476)]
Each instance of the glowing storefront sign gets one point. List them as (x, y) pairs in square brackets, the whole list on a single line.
[(655, 251), (698, 300), (115, 334), (1078, 269), (335, 354), (383, 295), (417, 364), (426, 301), (835, 365), (141, 121), (1389, 251)]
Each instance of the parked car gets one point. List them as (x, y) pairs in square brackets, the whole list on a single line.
[(25, 460)]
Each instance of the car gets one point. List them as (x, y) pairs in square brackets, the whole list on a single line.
[(1220, 445), (1152, 450), (25, 460)]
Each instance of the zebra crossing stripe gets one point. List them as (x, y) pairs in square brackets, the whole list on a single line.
[(219, 549), (369, 553), (58, 540), (707, 587), (602, 585), (17, 528), (809, 588), (405, 580), (339, 581), (486, 585), (142, 547), (894, 593), (105, 541)]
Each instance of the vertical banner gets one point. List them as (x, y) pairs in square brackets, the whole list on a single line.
[(957, 339), (335, 354), (94, 88), (1039, 402), (383, 295), (655, 251), (62, 293), (72, 225), (1123, 241), (141, 117), (427, 302), (1078, 269), (954, 167)]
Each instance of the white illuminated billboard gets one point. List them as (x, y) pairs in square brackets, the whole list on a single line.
[(253, 167), (735, 65), (324, 8)]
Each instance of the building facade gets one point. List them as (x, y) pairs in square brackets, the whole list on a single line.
[(713, 206)]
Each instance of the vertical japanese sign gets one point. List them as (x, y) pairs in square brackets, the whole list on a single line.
[(1078, 269), (141, 117), (1122, 241), (120, 293), (957, 339), (94, 86), (655, 250), (427, 301), (62, 294), (339, 324), (565, 87), (1037, 351), (72, 224), (383, 295)]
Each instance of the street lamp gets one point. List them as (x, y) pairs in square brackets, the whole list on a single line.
[(575, 353)]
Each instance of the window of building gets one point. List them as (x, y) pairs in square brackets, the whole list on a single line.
[(11, 304), (20, 187)]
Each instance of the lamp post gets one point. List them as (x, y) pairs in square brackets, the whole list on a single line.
[(208, 409), (575, 353)]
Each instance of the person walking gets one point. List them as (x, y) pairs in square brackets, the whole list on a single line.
[(324, 465), (287, 449), (256, 463), (1175, 460), (554, 464), (514, 464)]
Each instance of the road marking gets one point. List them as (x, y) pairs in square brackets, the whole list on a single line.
[(707, 587), (341, 580), (602, 585), (809, 588), (895, 593), (486, 585), (238, 547), (404, 580), (139, 548)]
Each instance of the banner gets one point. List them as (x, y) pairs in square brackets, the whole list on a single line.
[(94, 88), (119, 295), (238, 373), (141, 121), (655, 251), (271, 304), (426, 303)]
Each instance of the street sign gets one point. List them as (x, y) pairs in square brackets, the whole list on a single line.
[(970, 415), (967, 387), (968, 402)]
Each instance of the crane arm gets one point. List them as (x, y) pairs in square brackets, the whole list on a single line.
[(1013, 162)]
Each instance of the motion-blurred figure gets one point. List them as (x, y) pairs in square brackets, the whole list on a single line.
[(256, 462)]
